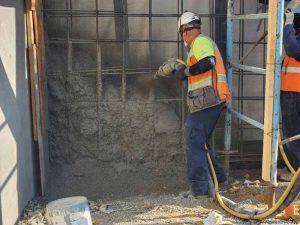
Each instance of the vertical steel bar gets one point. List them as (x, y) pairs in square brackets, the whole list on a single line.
[(241, 76), (118, 7), (212, 35), (239, 122), (276, 105), (69, 69), (183, 110), (210, 19), (125, 50), (227, 143), (69, 36), (151, 91), (213, 19), (98, 77)]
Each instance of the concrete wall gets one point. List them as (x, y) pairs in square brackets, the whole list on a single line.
[(17, 180)]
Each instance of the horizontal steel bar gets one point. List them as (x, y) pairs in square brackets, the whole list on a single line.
[(84, 13), (88, 41), (294, 138), (247, 119), (249, 68), (63, 40), (250, 16), (226, 152), (244, 42), (237, 158), (103, 73), (253, 98), (246, 73), (108, 69), (168, 100), (76, 100), (246, 126)]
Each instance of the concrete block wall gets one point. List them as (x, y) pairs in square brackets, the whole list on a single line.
[(17, 155)]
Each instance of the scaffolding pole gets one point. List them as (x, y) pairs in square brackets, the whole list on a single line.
[(272, 95)]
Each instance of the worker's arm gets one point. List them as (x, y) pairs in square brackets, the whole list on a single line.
[(204, 51), (290, 43), (202, 66)]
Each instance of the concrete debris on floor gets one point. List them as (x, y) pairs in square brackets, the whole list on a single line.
[(155, 209), (173, 208)]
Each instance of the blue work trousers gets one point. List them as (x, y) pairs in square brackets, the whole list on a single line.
[(199, 126), (290, 109)]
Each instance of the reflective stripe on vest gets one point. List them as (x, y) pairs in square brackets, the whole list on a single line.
[(290, 69), (290, 75), (221, 78), (200, 83)]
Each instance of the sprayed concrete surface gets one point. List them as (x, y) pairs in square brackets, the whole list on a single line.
[(112, 147), (98, 141)]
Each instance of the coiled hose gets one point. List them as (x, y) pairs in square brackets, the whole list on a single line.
[(288, 196)]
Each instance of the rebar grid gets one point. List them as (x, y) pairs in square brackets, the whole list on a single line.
[(217, 20)]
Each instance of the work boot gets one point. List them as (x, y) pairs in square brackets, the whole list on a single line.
[(190, 194), (224, 183), (285, 175)]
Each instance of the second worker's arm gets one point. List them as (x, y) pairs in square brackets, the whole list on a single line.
[(290, 43)]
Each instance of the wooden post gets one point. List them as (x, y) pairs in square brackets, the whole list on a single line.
[(40, 56), (269, 91), (36, 56), (30, 43)]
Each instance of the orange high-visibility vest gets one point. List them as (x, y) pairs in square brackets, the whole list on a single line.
[(290, 75), (216, 77)]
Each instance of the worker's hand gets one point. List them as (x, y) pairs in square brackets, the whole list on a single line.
[(168, 68), (228, 100), (289, 17), (181, 72)]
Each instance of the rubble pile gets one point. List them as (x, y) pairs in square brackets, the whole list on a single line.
[(34, 214)]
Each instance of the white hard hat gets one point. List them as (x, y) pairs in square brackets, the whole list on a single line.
[(186, 18)]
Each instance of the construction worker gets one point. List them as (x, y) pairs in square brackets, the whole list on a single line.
[(206, 98), (290, 85)]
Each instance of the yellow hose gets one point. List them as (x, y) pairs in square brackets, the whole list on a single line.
[(285, 159), (247, 216)]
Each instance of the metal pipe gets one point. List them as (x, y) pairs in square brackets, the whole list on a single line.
[(276, 104), (249, 68), (249, 16), (247, 119), (227, 142), (294, 138)]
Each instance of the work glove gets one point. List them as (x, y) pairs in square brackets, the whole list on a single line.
[(168, 68), (181, 72), (289, 17)]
